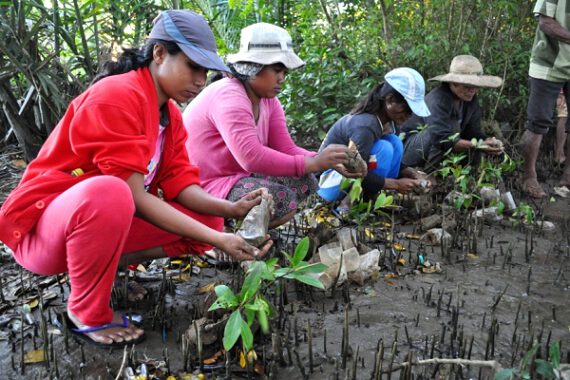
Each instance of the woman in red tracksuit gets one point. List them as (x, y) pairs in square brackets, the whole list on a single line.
[(113, 181)]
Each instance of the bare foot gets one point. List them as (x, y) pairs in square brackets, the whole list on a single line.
[(532, 188), (109, 335)]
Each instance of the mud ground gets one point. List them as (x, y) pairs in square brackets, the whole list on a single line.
[(486, 305)]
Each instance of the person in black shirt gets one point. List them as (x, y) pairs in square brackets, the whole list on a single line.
[(455, 118)]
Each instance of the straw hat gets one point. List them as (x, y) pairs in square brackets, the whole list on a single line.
[(266, 44), (466, 69)]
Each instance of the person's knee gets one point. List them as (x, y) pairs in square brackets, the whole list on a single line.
[(538, 127), (108, 198), (382, 149)]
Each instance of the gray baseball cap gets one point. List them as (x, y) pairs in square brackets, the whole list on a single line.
[(192, 34)]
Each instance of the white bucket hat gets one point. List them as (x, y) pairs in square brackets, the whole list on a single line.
[(266, 44), (466, 69)]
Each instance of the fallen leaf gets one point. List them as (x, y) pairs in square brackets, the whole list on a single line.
[(33, 303), (20, 164), (472, 256), (369, 233), (399, 247), (182, 277), (402, 262), (242, 362), (209, 288), (390, 276), (258, 368), (35, 356), (49, 295)]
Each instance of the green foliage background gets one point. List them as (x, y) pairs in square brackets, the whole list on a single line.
[(56, 46)]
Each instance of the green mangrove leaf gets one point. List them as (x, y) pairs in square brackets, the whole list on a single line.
[(232, 330)]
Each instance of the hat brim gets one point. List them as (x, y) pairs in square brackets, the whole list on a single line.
[(419, 107), (205, 58), (488, 81), (289, 59)]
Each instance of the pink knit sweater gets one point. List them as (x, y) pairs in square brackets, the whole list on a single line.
[(226, 144)]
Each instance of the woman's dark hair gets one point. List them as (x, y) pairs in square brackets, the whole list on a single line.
[(374, 103), (134, 58)]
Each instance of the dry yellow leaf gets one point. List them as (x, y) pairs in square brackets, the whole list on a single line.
[(399, 247), (33, 303), (369, 233), (35, 356), (251, 356), (209, 288), (242, 362), (182, 277), (472, 256), (402, 262)]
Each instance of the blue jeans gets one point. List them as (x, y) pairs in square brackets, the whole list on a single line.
[(388, 151)]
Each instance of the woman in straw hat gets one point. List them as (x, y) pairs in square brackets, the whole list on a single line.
[(237, 130), (113, 183), (455, 117), (371, 125)]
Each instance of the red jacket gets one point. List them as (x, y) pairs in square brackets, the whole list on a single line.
[(110, 129)]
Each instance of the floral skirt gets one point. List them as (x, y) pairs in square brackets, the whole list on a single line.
[(288, 192)]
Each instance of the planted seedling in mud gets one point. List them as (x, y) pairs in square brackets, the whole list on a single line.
[(250, 304), (530, 367), (491, 173), (463, 184), (362, 212)]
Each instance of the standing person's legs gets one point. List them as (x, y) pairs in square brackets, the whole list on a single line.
[(541, 103), (560, 143), (82, 232), (565, 179)]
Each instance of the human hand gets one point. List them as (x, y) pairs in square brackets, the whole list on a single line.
[(358, 174), (493, 146), (405, 185), (331, 156), (240, 208), (236, 247)]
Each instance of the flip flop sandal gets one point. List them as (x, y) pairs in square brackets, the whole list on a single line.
[(80, 334)]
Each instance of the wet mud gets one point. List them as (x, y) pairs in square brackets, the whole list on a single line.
[(493, 300)]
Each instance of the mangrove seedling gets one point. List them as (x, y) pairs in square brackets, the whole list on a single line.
[(250, 304)]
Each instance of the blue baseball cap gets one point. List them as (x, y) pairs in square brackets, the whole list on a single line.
[(410, 84), (192, 34)]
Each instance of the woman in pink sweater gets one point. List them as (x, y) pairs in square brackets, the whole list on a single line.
[(237, 133)]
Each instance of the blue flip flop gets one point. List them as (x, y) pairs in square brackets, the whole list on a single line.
[(80, 334)]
